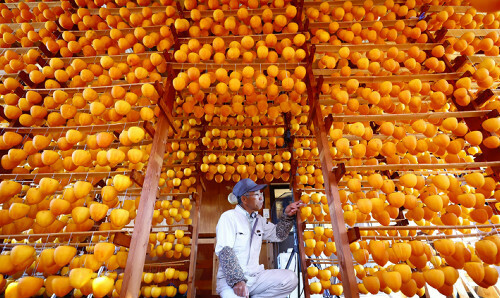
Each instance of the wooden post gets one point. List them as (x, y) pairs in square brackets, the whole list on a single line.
[(142, 227), (344, 256), (194, 241)]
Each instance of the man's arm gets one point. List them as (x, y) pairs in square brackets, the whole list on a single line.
[(284, 226), (226, 237), (280, 231), (231, 267)]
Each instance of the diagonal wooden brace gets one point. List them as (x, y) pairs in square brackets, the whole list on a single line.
[(122, 239), (483, 96), (148, 127), (339, 171), (459, 62), (137, 177), (353, 234), (314, 100)]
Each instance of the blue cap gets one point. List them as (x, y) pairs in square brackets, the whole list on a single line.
[(246, 185)]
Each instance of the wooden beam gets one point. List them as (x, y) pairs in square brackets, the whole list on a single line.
[(140, 237), (344, 255)]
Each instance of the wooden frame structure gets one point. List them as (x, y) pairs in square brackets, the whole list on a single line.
[(332, 168)]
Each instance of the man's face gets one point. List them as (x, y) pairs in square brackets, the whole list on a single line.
[(253, 200)]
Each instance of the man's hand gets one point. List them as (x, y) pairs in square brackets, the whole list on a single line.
[(292, 208), (240, 289)]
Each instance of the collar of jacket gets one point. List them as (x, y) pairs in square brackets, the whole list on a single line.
[(241, 210)]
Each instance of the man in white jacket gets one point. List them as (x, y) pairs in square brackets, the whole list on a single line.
[(240, 232)]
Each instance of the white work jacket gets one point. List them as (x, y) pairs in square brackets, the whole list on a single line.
[(234, 230)]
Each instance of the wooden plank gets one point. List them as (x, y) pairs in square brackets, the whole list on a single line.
[(227, 39), (478, 58), (410, 167), (428, 237), (63, 129), (70, 175), (460, 32), (344, 255), (22, 50), (96, 59), (36, 25), (394, 78), (112, 145), (327, 48), (125, 31), (140, 237), (50, 4), (194, 244), (456, 9), (61, 234), (341, 3), (137, 9), (364, 24), (432, 227), (237, 65), (412, 116), (45, 244), (98, 89)]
